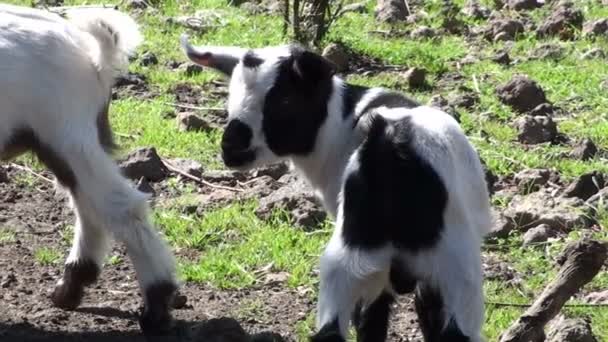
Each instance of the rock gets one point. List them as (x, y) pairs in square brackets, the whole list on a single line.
[(491, 178), (543, 109), (599, 201), (143, 162), (597, 297), (584, 150), (501, 228), (267, 337), (506, 29), (337, 54), (563, 22), (275, 171), (547, 51), (188, 121), (190, 69), (594, 53), (475, 10), (540, 233), (585, 186), (502, 57), (443, 104), (144, 186), (560, 213), (531, 180), (220, 330), (148, 58), (130, 79), (521, 93), (3, 175), (520, 5), (535, 129), (465, 100), (596, 28), (423, 32), (179, 301), (571, 330), (298, 201), (137, 4), (391, 11), (188, 165), (415, 77)]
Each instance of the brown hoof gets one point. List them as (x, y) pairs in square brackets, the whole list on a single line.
[(156, 319), (67, 297)]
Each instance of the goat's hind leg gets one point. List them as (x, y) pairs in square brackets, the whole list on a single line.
[(83, 265)]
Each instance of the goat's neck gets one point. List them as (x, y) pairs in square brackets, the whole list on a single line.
[(336, 141)]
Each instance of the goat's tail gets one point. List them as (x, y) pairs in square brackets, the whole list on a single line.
[(117, 36)]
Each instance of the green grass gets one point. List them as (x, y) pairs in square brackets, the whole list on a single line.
[(234, 248), (45, 256), (6, 235)]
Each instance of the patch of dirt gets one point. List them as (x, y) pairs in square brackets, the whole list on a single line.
[(110, 307), (132, 85)]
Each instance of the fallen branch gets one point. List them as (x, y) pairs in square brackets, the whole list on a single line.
[(580, 262), (217, 109), (197, 179), (28, 170), (517, 305)]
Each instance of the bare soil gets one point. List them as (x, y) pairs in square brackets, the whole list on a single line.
[(37, 216)]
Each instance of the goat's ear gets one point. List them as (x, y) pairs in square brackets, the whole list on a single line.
[(220, 58), (312, 67)]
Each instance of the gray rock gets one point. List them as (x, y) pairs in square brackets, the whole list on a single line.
[(423, 32), (563, 22), (585, 186), (188, 121), (519, 5), (391, 11), (571, 330), (540, 233), (531, 180), (502, 227), (357, 7), (600, 297), (535, 129), (337, 54), (596, 28), (502, 57), (521, 93), (275, 171), (415, 77), (547, 51), (560, 213), (143, 162), (188, 165), (475, 10), (505, 29), (584, 150)]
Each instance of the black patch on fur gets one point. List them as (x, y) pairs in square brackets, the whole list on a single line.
[(156, 318), (296, 105), (236, 142), (429, 307), (352, 96), (76, 276), (371, 323), (395, 196), (104, 130), (329, 333), (251, 60), (401, 279), (26, 140)]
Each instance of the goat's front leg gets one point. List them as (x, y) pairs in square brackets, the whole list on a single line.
[(83, 265), (348, 275)]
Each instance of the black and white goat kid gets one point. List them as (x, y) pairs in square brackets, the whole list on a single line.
[(405, 185), (56, 77)]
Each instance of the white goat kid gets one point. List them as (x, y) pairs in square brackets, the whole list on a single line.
[(406, 187), (55, 92)]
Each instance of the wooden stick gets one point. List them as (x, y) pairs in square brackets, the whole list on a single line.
[(28, 170), (217, 109), (197, 179), (407, 7), (580, 262)]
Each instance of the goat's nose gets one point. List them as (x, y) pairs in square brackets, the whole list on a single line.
[(237, 136)]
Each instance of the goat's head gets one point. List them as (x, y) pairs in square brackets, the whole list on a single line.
[(277, 100)]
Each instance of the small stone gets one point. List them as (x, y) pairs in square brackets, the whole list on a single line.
[(391, 11), (584, 150), (144, 186), (597, 297), (563, 22), (571, 330), (501, 228), (547, 51), (357, 7), (149, 58), (179, 301), (275, 171), (188, 122), (532, 179), (189, 166), (596, 28), (298, 201), (423, 32), (521, 93), (464, 100), (502, 58), (535, 129), (520, 5), (336, 53), (594, 53), (543, 109), (475, 10), (415, 77), (137, 4), (506, 29), (130, 79), (540, 233), (585, 186), (144, 162)]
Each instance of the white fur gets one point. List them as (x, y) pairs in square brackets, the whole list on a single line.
[(56, 77)]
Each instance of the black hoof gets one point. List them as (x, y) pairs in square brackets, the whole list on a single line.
[(329, 333), (76, 276), (156, 319)]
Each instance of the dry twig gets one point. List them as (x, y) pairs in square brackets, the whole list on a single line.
[(197, 179), (28, 170)]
